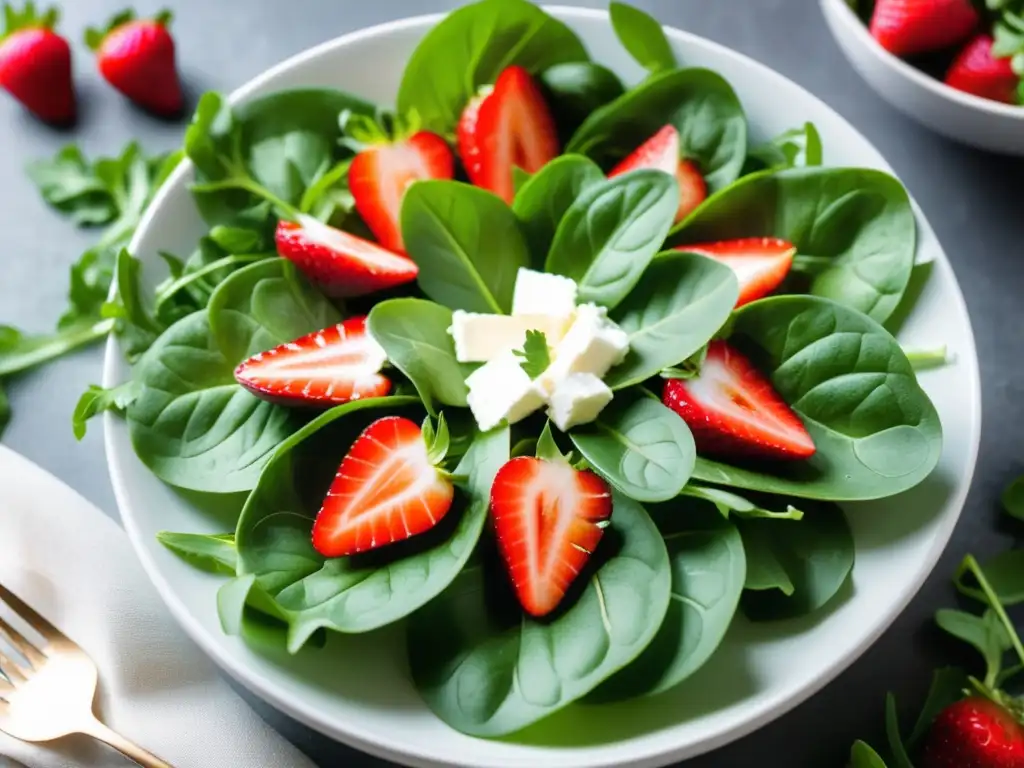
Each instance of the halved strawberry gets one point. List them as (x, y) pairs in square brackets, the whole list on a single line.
[(661, 152), (978, 72), (548, 518), (380, 174), (507, 125), (733, 410), (343, 265), (388, 488), (909, 27), (760, 263), (335, 365)]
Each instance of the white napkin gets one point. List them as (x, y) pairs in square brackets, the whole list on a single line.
[(75, 566)]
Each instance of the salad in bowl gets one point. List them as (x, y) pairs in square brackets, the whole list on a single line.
[(554, 375)]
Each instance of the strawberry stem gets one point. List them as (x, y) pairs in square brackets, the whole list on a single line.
[(971, 565)]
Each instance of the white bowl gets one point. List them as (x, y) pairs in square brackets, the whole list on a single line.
[(357, 690), (957, 115)]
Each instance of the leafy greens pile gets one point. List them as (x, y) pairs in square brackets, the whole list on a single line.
[(691, 540)]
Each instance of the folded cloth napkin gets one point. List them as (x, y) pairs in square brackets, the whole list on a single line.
[(75, 566)]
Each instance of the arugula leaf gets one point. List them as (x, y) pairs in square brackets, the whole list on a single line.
[(96, 400), (984, 633), (535, 354), (70, 184), (793, 148), (643, 36), (892, 732)]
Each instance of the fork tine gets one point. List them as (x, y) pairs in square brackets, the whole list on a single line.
[(35, 657), (14, 673), (33, 619)]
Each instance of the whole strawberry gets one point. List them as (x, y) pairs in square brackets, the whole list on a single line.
[(35, 64), (975, 732), (136, 56)]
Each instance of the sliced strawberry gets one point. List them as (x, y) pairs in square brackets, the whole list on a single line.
[(760, 263), (733, 410), (978, 72), (343, 265), (909, 27), (509, 125), (548, 518), (387, 489), (661, 153), (335, 365), (380, 174)]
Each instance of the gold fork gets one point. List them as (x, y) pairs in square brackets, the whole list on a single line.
[(52, 695)]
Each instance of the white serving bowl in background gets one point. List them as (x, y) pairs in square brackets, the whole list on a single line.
[(357, 689), (957, 115)]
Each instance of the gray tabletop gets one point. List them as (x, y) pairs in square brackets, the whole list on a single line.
[(969, 196)]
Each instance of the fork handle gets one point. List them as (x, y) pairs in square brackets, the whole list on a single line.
[(134, 752)]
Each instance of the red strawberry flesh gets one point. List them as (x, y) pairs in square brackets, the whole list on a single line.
[(35, 68), (759, 263), (336, 365), (975, 732), (342, 264), (978, 72), (138, 58), (549, 518), (386, 490), (661, 152), (910, 27), (733, 410)]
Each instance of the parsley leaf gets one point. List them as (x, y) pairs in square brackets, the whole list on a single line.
[(535, 354)]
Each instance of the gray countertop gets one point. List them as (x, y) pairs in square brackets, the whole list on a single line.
[(969, 196)]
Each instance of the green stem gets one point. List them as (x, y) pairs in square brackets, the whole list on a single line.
[(923, 359), (39, 350), (312, 195), (812, 265), (246, 184), (970, 564), (186, 280)]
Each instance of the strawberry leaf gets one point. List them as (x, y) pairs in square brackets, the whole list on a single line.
[(94, 36), (164, 17), (28, 18), (535, 354)]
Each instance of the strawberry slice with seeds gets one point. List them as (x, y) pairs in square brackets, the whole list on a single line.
[(661, 153), (978, 72), (380, 174), (388, 488), (760, 263), (507, 126), (734, 412), (336, 365), (548, 518), (910, 27), (342, 264)]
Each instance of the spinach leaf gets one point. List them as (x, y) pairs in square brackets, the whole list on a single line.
[(1013, 498), (892, 732), (542, 201), (611, 232), (985, 633), (643, 37), (97, 400), (793, 569), (729, 503), (639, 448), (487, 669), (414, 333), (471, 47), (948, 685), (681, 301), (367, 591), (876, 432), (215, 554), (698, 102), (467, 244), (854, 225), (791, 149), (575, 89), (708, 572), (863, 756)]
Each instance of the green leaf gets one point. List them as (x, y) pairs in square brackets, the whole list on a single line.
[(698, 102), (31, 351), (576, 89), (681, 301), (96, 400), (639, 448), (212, 553), (611, 233), (546, 447), (69, 183), (729, 503), (542, 201), (985, 633), (364, 592), (471, 47), (487, 669), (859, 221), (948, 685), (467, 244), (643, 37), (414, 333), (792, 149), (875, 431), (1013, 499), (808, 561), (708, 572), (236, 240), (863, 756), (535, 354), (5, 411), (892, 732), (1005, 575)]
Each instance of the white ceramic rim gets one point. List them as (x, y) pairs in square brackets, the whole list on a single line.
[(650, 758), (860, 32)]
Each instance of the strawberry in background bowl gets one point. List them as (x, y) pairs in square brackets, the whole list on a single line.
[(952, 65)]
